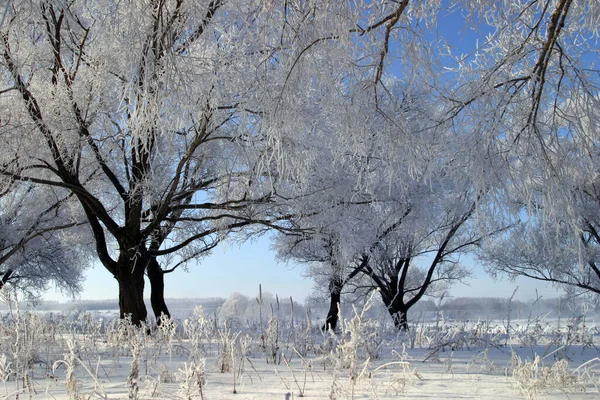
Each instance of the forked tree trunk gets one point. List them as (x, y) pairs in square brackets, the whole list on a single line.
[(157, 290), (131, 290), (335, 294)]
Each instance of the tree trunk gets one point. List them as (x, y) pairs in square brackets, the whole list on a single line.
[(400, 320), (5, 277), (157, 290), (397, 309), (335, 292), (130, 275)]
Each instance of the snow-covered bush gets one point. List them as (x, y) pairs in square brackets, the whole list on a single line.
[(534, 377)]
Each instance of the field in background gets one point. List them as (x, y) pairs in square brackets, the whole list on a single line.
[(275, 351)]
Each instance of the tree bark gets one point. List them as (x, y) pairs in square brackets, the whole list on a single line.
[(397, 309), (157, 290), (400, 319), (335, 292), (5, 277), (130, 275)]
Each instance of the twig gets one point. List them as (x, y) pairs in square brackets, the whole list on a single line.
[(279, 376), (252, 365), (300, 389)]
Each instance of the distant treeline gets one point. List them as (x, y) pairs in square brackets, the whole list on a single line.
[(473, 308), (210, 304), (242, 307), (462, 308)]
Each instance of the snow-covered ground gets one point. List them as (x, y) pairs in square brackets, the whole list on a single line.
[(88, 357)]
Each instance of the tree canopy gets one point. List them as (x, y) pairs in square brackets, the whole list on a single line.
[(170, 124)]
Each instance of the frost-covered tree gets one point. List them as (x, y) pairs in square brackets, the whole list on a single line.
[(418, 257), (164, 118), (398, 209), (556, 232), (547, 252), (41, 242), (169, 120), (317, 249), (531, 90)]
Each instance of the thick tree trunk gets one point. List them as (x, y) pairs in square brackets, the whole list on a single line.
[(400, 320), (131, 290), (157, 290), (335, 292), (397, 309)]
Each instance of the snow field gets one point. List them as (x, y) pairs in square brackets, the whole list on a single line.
[(52, 357)]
